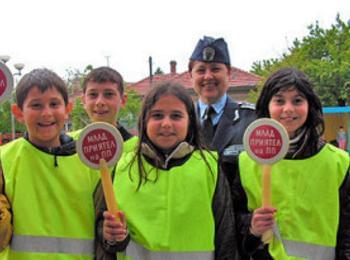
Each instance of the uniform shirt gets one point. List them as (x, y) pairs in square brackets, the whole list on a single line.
[(218, 107)]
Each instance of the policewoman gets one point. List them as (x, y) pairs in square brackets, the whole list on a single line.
[(223, 120)]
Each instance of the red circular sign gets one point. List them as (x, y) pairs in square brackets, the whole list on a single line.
[(265, 141), (3, 82), (99, 141), (6, 82), (99, 144)]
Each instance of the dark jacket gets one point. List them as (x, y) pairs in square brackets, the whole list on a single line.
[(225, 243), (100, 207), (252, 246), (228, 137)]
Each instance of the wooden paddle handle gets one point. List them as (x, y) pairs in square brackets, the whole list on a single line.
[(108, 189), (266, 197)]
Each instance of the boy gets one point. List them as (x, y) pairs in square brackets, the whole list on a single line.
[(49, 189), (103, 96)]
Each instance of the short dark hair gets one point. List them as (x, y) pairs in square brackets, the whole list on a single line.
[(102, 75), (287, 78), (43, 79)]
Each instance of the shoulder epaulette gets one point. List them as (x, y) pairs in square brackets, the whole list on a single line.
[(245, 105)]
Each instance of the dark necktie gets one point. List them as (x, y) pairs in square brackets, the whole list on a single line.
[(208, 128)]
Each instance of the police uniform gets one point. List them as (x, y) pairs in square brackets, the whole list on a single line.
[(228, 137), (229, 131)]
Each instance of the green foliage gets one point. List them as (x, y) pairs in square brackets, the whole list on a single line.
[(129, 114), (253, 95), (158, 71), (79, 117), (5, 119), (324, 55)]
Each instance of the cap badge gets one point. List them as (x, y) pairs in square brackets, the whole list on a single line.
[(208, 54)]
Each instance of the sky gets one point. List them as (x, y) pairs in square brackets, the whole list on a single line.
[(71, 34)]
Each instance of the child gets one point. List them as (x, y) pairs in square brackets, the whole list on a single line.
[(49, 189), (177, 204), (341, 138), (310, 187), (103, 96)]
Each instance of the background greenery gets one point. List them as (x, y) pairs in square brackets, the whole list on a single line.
[(323, 54)]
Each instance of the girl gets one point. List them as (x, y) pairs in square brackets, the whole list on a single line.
[(310, 187), (176, 202)]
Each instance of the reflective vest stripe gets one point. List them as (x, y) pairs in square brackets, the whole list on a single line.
[(309, 251), (137, 252), (37, 244)]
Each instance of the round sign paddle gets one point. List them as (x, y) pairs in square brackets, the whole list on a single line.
[(100, 146), (6, 82), (266, 141)]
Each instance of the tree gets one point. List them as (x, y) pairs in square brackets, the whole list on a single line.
[(74, 80), (5, 117), (79, 117), (324, 55), (5, 120), (129, 114), (159, 71)]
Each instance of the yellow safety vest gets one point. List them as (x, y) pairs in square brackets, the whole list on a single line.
[(170, 218), (53, 213), (306, 195)]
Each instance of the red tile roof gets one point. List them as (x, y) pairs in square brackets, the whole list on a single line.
[(239, 78)]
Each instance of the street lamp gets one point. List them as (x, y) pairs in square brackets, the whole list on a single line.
[(4, 58), (19, 67)]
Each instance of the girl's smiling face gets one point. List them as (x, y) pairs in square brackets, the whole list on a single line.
[(290, 108), (167, 122)]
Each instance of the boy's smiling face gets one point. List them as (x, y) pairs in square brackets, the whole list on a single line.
[(102, 101), (43, 114)]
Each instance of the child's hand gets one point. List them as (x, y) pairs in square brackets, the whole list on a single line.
[(114, 231), (262, 221)]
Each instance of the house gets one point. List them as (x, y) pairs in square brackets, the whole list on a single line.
[(240, 83), (334, 117)]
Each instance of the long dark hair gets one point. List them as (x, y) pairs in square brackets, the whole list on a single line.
[(167, 88), (288, 78)]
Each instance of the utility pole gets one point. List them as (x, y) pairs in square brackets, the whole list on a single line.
[(107, 59), (150, 70)]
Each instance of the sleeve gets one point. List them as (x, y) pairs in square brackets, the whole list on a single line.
[(343, 239), (101, 247), (249, 245), (225, 234), (104, 248), (6, 228)]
